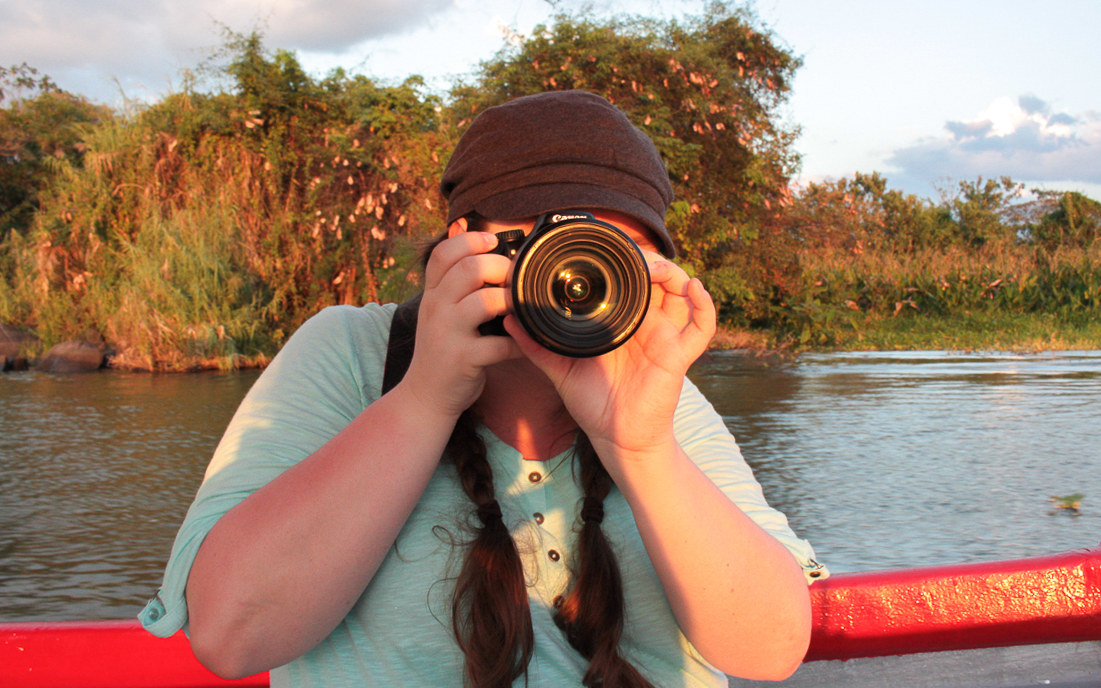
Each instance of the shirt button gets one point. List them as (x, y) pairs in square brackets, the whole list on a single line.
[(553, 554), (535, 476), (538, 518)]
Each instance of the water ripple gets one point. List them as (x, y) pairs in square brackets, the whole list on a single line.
[(96, 473), (887, 460), (881, 460)]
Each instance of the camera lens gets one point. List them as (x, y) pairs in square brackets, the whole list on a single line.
[(580, 288)]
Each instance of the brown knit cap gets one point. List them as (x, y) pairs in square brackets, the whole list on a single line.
[(554, 151)]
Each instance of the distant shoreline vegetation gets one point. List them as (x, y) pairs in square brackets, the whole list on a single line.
[(201, 230)]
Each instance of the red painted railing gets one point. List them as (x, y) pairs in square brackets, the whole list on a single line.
[(1049, 599), (101, 654)]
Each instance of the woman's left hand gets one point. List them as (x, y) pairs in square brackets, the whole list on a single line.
[(627, 397)]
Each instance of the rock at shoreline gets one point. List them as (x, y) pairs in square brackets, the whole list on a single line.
[(12, 340), (73, 356), (10, 363)]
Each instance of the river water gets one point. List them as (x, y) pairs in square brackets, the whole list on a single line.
[(881, 460)]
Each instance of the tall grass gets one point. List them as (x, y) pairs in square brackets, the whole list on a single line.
[(848, 295), (201, 231), (175, 294), (185, 301)]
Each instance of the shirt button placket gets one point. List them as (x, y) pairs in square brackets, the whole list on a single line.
[(538, 489), (535, 478)]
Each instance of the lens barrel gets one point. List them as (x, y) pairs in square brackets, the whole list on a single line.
[(579, 286)]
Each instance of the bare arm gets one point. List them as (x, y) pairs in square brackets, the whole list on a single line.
[(280, 570), (737, 593)]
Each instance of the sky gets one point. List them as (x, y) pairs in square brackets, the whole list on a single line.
[(928, 93)]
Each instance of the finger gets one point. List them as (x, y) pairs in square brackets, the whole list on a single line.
[(489, 350), (469, 275), (670, 295), (703, 321), (482, 305), (670, 276), (661, 271), (452, 250)]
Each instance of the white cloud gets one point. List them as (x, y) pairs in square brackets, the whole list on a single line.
[(136, 40), (1022, 139)]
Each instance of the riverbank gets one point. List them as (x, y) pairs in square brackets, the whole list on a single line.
[(859, 332), (975, 332), (1032, 332)]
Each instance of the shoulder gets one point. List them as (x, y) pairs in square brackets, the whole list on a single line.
[(337, 356), (347, 325), (348, 338)]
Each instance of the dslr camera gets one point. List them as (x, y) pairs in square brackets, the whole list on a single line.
[(579, 286)]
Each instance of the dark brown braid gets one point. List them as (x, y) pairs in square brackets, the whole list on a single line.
[(491, 615), (490, 612), (592, 613)]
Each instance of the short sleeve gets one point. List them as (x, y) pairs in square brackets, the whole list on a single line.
[(326, 374), (703, 435)]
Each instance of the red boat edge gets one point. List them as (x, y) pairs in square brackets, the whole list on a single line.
[(1040, 600)]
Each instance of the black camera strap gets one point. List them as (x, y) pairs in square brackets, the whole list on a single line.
[(399, 348)]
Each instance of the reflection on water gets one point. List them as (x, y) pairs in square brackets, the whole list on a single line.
[(96, 473), (880, 460), (886, 460)]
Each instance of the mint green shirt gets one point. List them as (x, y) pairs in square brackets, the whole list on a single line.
[(399, 632)]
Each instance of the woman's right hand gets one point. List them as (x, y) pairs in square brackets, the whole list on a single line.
[(447, 372)]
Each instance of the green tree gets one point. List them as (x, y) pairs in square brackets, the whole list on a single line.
[(1072, 219), (983, 212), (39, 125), (708, 91), (210, 224), (862, 213)]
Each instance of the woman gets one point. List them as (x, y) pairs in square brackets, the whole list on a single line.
[(495, 514)]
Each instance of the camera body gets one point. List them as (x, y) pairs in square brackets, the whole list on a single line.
[(579, 286)]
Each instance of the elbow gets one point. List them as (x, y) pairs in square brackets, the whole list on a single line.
[(775, 663), (786, 662), (776, 653), (221, 638), (791, 647), (218, 652), (218, 625), (791, 644)]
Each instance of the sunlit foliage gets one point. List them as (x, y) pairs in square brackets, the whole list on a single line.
[(707, 90), (207, 226), (202, 229)]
